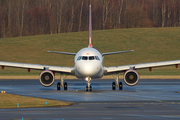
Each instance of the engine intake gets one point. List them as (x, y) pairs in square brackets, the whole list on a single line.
[(46, 78), (131, 77)]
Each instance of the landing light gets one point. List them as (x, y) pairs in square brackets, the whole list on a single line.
[(87, 78)]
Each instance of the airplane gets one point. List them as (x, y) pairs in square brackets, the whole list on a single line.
[(88, 64)]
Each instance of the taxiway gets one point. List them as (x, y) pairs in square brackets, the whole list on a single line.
[(149, 99)]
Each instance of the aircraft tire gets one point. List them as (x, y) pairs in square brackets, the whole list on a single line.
[(58, 86), (120, 86), (86, 88), (113, 86), (65, 86), (90, 89)]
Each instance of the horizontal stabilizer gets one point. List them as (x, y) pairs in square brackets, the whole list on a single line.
[(67, 53), (110, 53)]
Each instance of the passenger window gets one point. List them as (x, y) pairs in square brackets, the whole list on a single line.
[(91, 57), (84, 58)]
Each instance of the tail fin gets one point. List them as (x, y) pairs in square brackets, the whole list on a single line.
[(90, 28)]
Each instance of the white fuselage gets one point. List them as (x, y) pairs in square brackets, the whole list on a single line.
[(88, 63)]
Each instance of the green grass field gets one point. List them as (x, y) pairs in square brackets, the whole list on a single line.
[(11, 101), (150, 45)]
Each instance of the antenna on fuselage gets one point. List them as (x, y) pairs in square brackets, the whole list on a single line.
[(90, 28)]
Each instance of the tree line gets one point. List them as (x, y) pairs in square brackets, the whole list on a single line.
[(37, 17)]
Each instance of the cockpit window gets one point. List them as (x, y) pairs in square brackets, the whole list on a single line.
[(79, 58), (97, 58), (84, 58), (88, 57), (91, 57)]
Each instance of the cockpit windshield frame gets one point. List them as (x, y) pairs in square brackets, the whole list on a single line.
[(88, 58), (85, 58)]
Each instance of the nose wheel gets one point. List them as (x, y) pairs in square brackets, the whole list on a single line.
[(88, 87)]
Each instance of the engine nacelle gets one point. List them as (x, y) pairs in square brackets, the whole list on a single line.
[(131, 77), (46, 78)]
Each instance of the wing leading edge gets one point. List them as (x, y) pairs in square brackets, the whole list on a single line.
[(66, 70), (67, 53), (114, 69), (110, 53)]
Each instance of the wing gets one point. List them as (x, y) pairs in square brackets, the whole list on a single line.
[(110, 53), (114, 69), (65, 70), (67, 53)]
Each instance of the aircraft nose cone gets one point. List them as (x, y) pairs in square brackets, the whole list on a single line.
[(88, 70)]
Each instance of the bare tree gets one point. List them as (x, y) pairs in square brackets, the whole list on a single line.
[(71, 18), (106, 10), (163, 13), (9, 18), (179, 14), (155, 12), (59, 14), (22, 18), (120, 12), (80, 16), (31, 17)]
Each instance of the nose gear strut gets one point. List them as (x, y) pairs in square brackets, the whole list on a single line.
[(88, 87)]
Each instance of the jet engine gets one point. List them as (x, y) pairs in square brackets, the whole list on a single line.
[(131, 77), (46, 78)]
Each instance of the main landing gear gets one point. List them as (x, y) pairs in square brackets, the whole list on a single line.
[(61, 84), (117, 83), (88, 87)]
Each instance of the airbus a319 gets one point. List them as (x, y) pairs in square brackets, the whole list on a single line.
[(88, 64)]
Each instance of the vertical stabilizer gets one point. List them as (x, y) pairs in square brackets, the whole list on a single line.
[(90, 28)]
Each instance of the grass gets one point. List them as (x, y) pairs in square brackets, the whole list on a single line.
[(150, 45), (11, 101)]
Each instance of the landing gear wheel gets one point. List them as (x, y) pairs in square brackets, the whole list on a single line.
[(58, 86), (65, 86), (120, 86), (113, 86), (90, 89), (86, 88)]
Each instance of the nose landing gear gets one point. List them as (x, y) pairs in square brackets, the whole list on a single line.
[(88, 87)]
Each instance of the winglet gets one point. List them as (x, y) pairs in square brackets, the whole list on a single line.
[(90, 28)]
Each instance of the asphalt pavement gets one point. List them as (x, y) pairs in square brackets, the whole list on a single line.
[(149, 99)]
